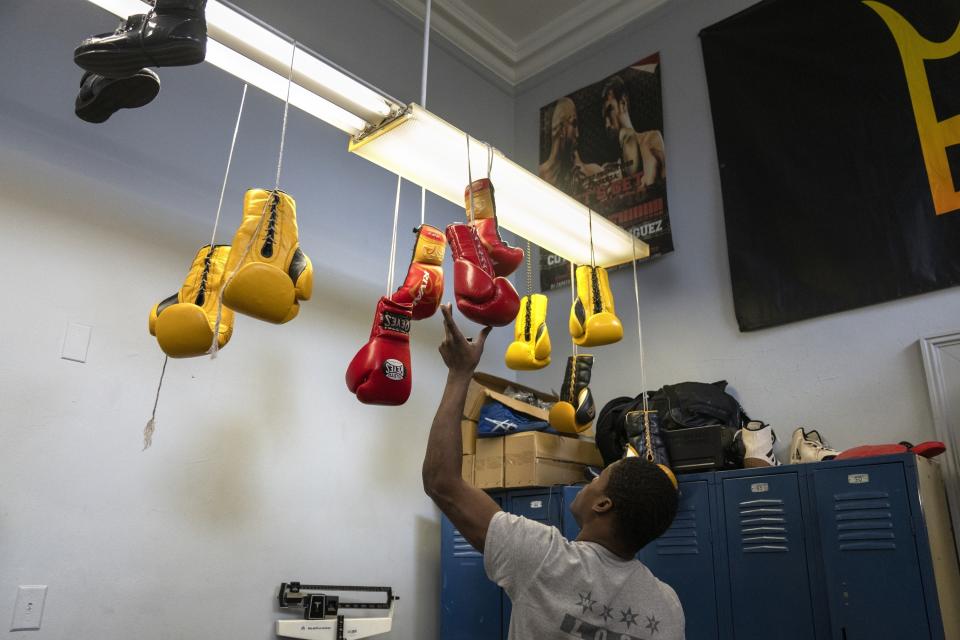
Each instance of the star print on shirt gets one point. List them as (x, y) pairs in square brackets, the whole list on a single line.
[(629, 617), (606, 613), (653, 624), (586, 604)]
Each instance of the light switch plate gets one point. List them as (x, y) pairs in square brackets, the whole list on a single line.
[(28, 610), (76, 342)]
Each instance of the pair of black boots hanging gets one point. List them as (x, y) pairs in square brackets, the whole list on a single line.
[(172, 34)]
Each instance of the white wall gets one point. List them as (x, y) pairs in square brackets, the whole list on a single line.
[(857, 376), (264, 467)]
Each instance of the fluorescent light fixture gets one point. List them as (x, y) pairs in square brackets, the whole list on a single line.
[(432, 153), (276, 85), (415, 144), (254, 53)]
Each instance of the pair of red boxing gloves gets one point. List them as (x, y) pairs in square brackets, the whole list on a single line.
[(380, 372)]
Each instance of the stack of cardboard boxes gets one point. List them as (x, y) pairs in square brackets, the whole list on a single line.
[(528, 459)]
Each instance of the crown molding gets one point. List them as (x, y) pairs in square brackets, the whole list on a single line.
[(513, 61), (575, 30), (479, 39)]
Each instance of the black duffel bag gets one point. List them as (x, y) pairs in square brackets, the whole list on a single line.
[(697, 404), (706, 411)]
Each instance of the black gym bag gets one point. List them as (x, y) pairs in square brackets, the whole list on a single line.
[(697, 420)]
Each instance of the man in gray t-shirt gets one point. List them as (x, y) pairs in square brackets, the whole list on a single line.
[(592, 588)]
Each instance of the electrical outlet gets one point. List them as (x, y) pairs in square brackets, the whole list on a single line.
[(76, 342), (29, 607)]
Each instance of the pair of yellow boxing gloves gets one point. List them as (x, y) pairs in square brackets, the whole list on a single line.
[(263, 274), (593, 322)]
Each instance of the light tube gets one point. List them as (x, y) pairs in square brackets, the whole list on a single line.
[(276, 85), (432, 153)]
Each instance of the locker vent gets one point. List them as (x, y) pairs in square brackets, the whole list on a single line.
[(462, 548), (864, 521), (763, 526), (681, 537)]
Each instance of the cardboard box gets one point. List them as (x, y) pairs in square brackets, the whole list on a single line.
[(467, 466), (468, 436), (485, 387), (488, 465), (543, 473), (535, 459)]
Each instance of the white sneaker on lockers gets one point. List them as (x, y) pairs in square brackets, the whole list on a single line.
[(808, 446), (758, 438)]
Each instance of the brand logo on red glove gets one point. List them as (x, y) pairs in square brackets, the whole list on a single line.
[(394, 322), (394, 370), (422, 289)]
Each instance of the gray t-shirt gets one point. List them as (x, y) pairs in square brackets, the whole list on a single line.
[(563, 590)]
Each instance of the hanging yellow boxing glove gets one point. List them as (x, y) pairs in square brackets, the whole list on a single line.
[(530, 349), (268, 274), (593, 321), (184, 323)]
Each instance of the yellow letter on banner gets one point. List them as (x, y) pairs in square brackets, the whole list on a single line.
[(935, 136)]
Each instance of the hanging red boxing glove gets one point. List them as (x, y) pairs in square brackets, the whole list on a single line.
[(483, 208), (380, 372), (481, 297), (423, 288)]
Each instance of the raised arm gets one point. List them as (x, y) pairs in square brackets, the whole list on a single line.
[(469, 508)]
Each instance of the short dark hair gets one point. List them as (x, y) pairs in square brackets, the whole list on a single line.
[(644, 501), (616, 86)]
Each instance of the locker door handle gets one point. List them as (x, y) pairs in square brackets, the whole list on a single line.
[(843, 633)]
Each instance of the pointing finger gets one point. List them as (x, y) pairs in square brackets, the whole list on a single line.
[(483, 336), (447, 320), (451, 326)]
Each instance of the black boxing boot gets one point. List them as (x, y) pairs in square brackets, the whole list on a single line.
[(100, 97), (173, 34), (575, 411)]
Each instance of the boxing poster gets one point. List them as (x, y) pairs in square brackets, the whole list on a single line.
[(603, 145), (837, 127)]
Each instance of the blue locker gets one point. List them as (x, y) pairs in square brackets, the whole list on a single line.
[(470, 607), (870, 551), (767, 556), (543, 505), (835, 550), (683, 557)]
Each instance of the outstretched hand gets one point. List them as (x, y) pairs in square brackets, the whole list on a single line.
[(460, 354)]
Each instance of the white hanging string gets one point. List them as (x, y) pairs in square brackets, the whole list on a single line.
[(426, 56), (529, 270), (226, 174), (573, 299), (573, 365), (393, 242), (215, 343), (286, 111), (636, 293), (593, 259), (152, 422), (423, 95), (469, 179)]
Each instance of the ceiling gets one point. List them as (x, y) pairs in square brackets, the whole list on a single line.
[(516, 39)]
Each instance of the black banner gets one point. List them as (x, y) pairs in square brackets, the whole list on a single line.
[(838, 137)]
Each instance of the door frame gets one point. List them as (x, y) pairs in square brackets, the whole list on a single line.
[(930, 349)]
